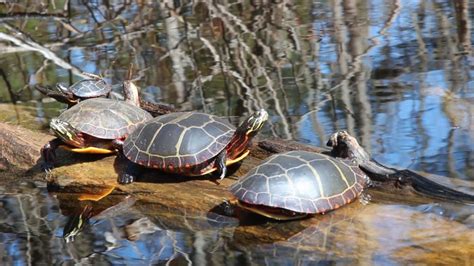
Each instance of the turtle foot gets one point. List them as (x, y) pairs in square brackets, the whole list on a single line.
[(47, 167), (125, 179), (48, 153), (226, 208)]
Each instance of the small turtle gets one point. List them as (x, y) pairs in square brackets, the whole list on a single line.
[(96, 87), (96, 125), (92, 87), (295, 184), (189, 143)]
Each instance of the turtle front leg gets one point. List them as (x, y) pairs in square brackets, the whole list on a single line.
[(221, 158), (48, 152), (131, 173), (117, 144)]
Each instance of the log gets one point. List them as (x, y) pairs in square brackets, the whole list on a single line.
[(183, 203), (19, 147)]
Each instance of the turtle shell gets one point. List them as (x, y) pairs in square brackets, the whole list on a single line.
[(302, 182), (90, 88), (177, 140), (104, 118)]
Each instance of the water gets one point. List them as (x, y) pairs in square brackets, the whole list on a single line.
[(398, 76)]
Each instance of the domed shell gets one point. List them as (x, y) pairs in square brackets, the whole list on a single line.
[(302, 182), (104, 118), (89, 88), (180, 139)]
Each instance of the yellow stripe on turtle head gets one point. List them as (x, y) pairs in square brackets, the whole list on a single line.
[(238, 159)]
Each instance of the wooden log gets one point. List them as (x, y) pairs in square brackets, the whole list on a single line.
[(19, 147)]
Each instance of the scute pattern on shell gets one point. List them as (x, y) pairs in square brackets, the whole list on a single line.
[(88, 88), (177, 140), (105, 118), (301, 181)]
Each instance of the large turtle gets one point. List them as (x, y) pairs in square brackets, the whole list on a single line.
[(189, 143), (96, 125), (294, 184)]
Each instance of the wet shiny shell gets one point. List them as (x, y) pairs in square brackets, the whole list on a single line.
[(178, 140), (89, 88), (104, 118), (302, 182)]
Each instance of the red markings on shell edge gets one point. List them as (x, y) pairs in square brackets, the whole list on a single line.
[(344, 199), (330, 205), (317, 209), (353, 193), (171, 167)]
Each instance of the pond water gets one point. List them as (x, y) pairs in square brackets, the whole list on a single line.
[(397, 75)]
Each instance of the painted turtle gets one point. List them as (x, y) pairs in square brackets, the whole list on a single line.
[(93, 126), (295, 184), (189, 143), (92, 87), (96, 87)]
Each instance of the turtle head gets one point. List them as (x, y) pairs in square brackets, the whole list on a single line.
[(64, 95), (66, 132), (60, 87), (253, 123), (76, 223)]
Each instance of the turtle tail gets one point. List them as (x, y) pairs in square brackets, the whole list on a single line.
[(430, 188)]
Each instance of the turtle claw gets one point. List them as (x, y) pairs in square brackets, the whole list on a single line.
[(365, 198), (125, 179), (48, 153), (47, 167), (130, 174)]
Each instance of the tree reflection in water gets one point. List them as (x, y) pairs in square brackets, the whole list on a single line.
[(396, 75)]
